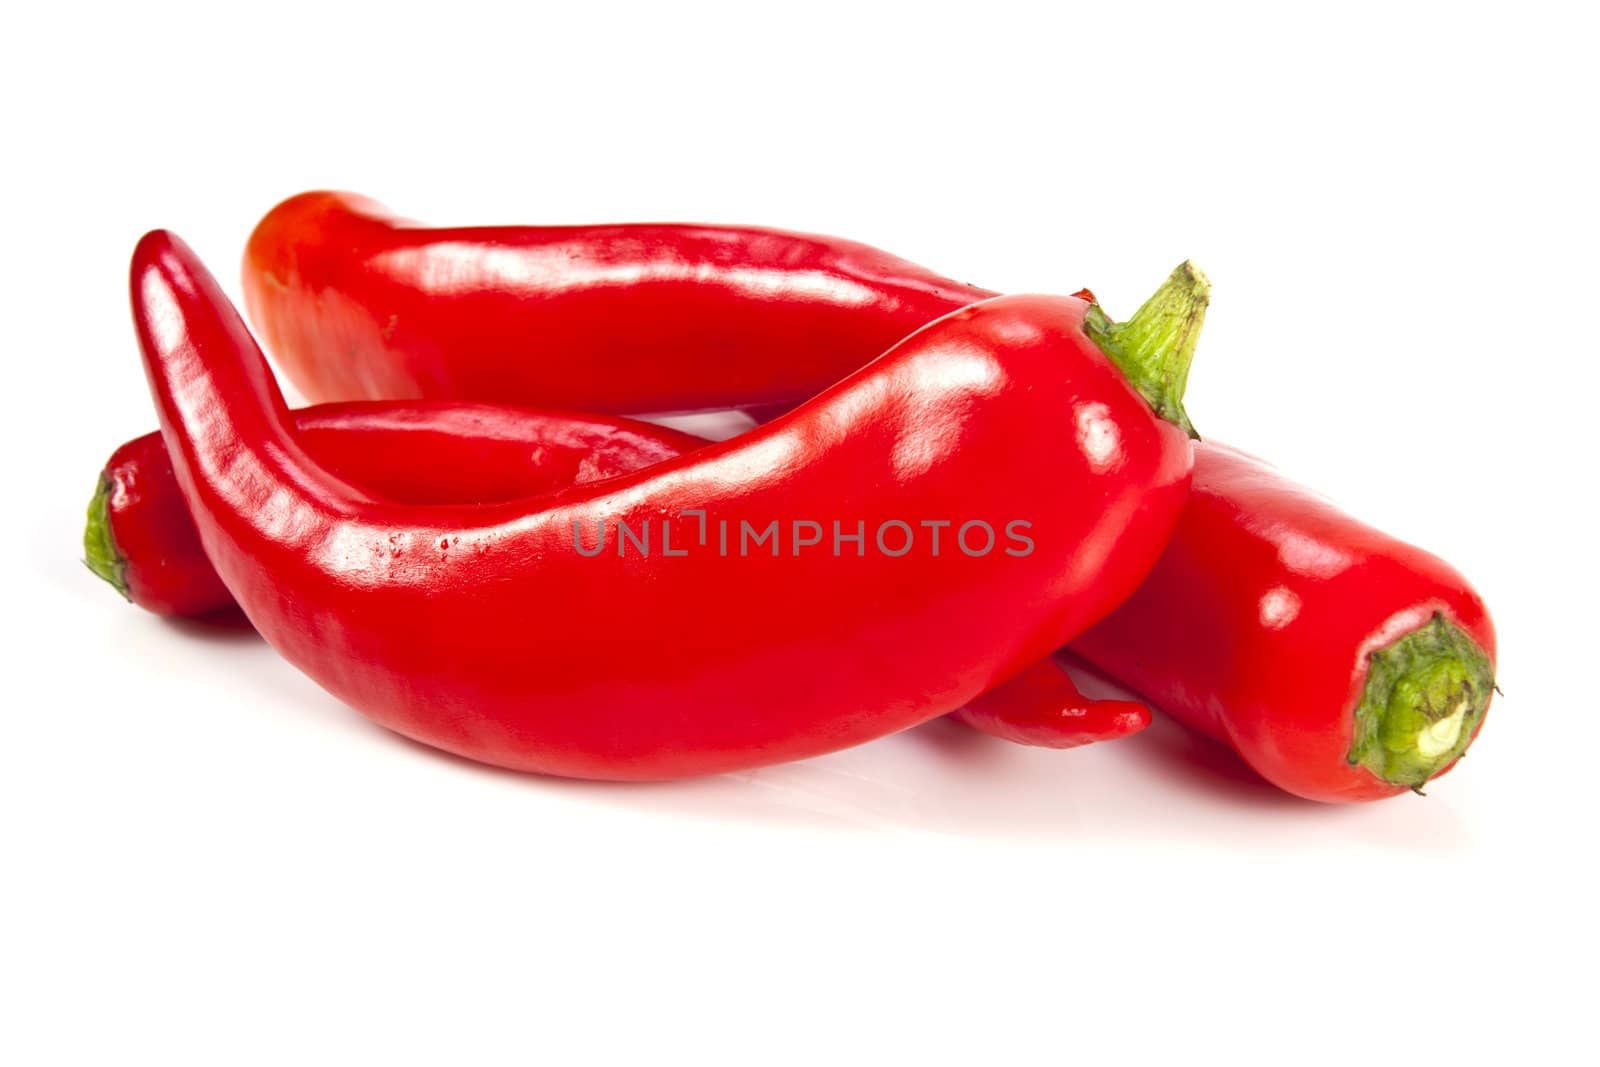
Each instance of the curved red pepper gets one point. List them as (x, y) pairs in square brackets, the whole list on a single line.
[(322, 270), (485, 632), (142, 541), (356, 304)]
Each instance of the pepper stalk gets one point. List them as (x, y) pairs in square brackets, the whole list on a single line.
[(1155, 347), (1425, 695)]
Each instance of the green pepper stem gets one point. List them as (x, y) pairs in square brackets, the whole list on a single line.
[(99, 549), (1425, 695), (1155, 347)]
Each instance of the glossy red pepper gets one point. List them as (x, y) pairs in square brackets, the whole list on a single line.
[(141, 540), (356, 304), (493, 632), (327, 268), (1341, 663)]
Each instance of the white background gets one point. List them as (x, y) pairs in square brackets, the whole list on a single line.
[(211, 861)]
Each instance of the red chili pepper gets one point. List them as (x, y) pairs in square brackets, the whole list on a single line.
[(1341, 663), (488, 632), (142, 541), (356, 304), (331, 273)]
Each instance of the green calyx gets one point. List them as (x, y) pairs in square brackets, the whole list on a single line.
[(1155, 347), (99, 549), (1425, 696)]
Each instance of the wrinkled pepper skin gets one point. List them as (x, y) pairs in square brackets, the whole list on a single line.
[(357, 304), (1257, 625), (484, 632), (421, 452)]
